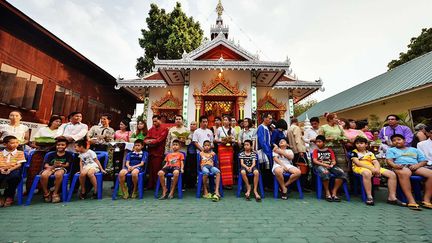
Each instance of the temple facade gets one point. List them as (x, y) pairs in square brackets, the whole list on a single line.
[(219, 78)]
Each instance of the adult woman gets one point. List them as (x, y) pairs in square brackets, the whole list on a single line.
[(50, 131), (141, 131), (419, 134), (350, 132), (124, 133), (179, 132), (225, 137), (247, 133), (363, 126), (15, 128), (335, 139), (279, 132)]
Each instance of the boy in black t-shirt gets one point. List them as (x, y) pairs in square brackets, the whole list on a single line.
[(248, 165), (56, 163)]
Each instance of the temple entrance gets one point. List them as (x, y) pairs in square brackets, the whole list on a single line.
[(219, 98), (270, 105)]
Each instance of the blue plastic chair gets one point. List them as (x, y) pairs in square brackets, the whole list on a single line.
[(103, 158), (210, 176), (24, 168), (240, 179), (286, 176), (332, 178), (129, 180), (416, 186), (64, 181), (168, 177), (358, 184)]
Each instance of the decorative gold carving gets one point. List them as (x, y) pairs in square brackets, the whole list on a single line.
[(169, 102), (268, 103), (220, 87)]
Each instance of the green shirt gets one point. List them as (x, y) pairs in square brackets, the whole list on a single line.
[(139, 136), (331, 131)]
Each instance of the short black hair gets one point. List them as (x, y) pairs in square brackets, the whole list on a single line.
[(73, 114), (202, 118), (81, 143), (218, 118), (250, 122), (179, 116), (207, 141), (429, 128), (239, 121), (140, 141), (265, 115), (176, 141), (61, 139), (53, 118), (314, 119), (397, 136), (281, 123), (156, 116), (107, 115), (361, 124), (248, 141), (396, 116), (7, 139), (360, 139), (321, 138)]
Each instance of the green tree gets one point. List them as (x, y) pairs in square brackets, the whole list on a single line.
[(417, 47), (302, 107), (167, 36)]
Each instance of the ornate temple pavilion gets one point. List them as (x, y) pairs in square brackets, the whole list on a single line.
[(218, 78)]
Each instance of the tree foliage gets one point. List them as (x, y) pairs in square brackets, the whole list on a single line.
[(417, 47), (303, 106), (167, 36)]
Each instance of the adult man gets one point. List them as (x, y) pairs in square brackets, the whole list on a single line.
[(74, 130), (426, 146), (264, 148), (202, 134), (394, 128), (191, 159), (100, 135), (155, 140), (173, 134), (311, 133), (296, 139)]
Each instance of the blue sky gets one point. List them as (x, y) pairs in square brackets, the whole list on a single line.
[(343, 42)]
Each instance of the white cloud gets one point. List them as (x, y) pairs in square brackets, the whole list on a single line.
[(344, 42)]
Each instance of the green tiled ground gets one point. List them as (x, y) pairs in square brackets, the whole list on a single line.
[(200, 220)]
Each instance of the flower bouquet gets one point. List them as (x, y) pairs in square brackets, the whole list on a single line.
[(227, 140), (182, 136)]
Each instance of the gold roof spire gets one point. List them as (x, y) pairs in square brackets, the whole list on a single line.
[(219, 8)]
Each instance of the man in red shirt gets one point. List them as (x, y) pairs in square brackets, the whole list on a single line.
[(155, 140)]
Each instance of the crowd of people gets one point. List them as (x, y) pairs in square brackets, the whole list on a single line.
[(340, 149)]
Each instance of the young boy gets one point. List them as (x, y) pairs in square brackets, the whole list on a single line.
[(248, 165), (325, 164), (365, 164), (406, 161), (134, 164), (173, 164), (207, 167), (10, 164), (283, 164), (89, 165), (56, 163)]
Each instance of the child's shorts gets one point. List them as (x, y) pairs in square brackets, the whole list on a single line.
[(325, 173), (139, 168), (359, 170), (207, 169), (55, 170), (275, 165), (170, 169), (91, 166), (244, 169)]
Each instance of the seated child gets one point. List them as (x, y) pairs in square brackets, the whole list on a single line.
[(134, 165), (248, 165), (325, 164), (406, 161), (89, 165), (282, 163), (10, 164), (56, 163), (207, 167), (365, 164), (173, 164)]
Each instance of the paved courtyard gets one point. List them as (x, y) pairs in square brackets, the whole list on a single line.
[(230, 220)]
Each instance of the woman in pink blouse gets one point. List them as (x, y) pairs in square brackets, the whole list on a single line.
[(124, 133)]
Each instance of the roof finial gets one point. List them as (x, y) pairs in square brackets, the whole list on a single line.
[(219, 8)]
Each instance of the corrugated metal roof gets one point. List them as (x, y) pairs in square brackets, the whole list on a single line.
[(415, 73)]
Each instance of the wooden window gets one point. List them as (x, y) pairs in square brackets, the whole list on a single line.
[(66, 101)]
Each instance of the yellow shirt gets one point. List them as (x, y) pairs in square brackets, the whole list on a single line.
[(365, 157), (11, 159)]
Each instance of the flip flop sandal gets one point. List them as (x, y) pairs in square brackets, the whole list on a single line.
[(426, 205), (247, 197), (47, 198), (56, 198), (329, 198), (370, 202), (284, 196), (216, 198), (82, 196), (414, 206), (170, 197), (258, 199), (163, 197), (336, 199), (397, 202), (208, 196)]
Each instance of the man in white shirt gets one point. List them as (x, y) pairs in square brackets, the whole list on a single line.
[(426, 146), (74, 130), (202, 134), (311, 133)]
